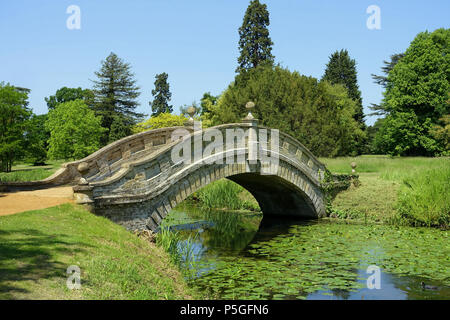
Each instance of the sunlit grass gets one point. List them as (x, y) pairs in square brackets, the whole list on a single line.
[(37, 247), (28, 172), (412, 191)]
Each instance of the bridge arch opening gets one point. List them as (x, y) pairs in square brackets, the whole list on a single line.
[(276, 196)]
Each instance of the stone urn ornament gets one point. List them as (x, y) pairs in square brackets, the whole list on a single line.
[(249, 106), (353, 165), (191, 111)]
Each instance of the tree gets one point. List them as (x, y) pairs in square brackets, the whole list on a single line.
[(162, 95), (75, 131), (65, 94), (163, 120), (208, 105), (441, 132), (417, 96), (383, 81), (318, 114), (255, 45), (36, 139), (402, 133), (14, 115), (115, 98), (341, 69)]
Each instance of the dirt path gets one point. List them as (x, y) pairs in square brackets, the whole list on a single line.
[(14, 202)]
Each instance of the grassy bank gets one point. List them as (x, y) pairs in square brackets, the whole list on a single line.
[(28, 172), (37, 247), (406, 191)]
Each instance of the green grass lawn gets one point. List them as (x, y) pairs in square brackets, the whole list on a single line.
[(413, 191), (37, 247), (28, 172)]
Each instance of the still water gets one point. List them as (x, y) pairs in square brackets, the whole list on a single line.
[(243, 256)]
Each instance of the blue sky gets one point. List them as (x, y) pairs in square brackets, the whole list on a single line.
[(196, 42)]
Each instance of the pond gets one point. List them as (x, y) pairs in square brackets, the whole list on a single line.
[(236, 255)]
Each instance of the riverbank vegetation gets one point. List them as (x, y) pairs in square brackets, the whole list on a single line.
[(394, 190), (225, 194), (406, 191), (38, 246)]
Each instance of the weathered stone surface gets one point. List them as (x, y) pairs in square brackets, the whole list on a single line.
[(147, 189)]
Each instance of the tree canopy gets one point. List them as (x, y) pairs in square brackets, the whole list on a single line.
[(75, 131), (14, 115), (318, 114), (162, 120), (255, 45), (417, 96), (65, 94)]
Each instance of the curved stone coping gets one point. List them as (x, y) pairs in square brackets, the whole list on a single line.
[(128, 167), (68, 170)]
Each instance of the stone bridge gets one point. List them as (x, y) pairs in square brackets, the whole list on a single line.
[(136, 181)]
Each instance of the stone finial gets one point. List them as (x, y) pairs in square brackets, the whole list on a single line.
[(353, 165), (249, 105), (191, 111)]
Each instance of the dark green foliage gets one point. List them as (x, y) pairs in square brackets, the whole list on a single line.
[(120, 127), (115, 98), (341, 69), (318, 114), (14, 115), (162, 95), (403, 133), (69, 94), (383, 80), (255, 45), (36, 140), (371, 132), (207, 101), (417, 96)]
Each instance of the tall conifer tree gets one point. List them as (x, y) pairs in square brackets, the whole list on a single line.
[(115, 98), (342, 69), (162, 95), (255, 45)]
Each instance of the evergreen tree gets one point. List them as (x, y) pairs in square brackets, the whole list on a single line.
[(341, 69), (255, 45), (162, 95), (318, 114), (115, 98)]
